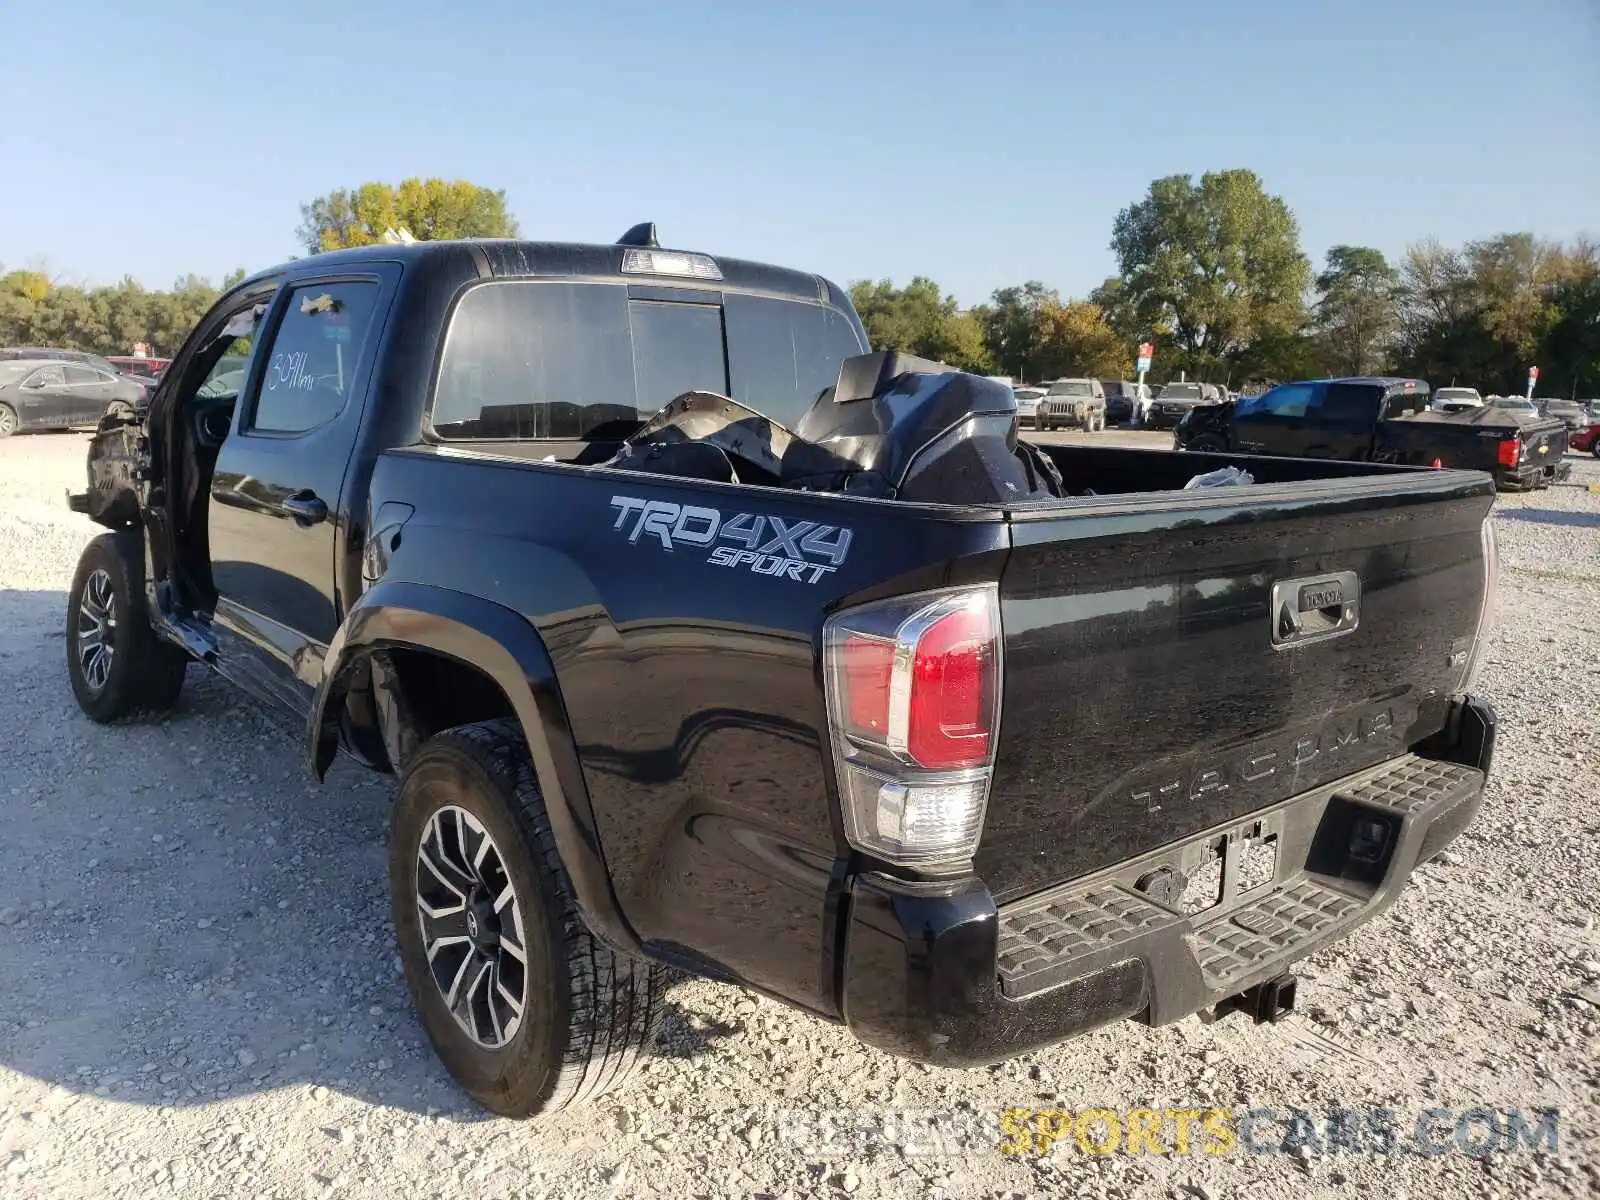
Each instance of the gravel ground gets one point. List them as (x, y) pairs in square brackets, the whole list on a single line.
[(198, 994)]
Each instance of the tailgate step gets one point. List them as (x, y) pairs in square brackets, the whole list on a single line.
[(1231, 947), (1067, 931)]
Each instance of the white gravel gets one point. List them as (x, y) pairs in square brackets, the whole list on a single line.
[(199, 997)]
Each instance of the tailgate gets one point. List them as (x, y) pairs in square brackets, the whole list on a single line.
[(1544, 443), (1155, 685)]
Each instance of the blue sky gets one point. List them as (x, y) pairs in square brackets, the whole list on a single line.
[(981, 144)]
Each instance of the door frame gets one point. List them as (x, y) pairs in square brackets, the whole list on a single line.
[(258, 653)]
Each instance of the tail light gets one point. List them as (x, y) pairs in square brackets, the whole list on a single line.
[(1486, 614), (1437, 464), (913, 690), (1509, 453)]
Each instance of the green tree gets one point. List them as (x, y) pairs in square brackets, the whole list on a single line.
[(920, 319), (1358, 310), (1009, 321), (1216, 264), (429, 209)]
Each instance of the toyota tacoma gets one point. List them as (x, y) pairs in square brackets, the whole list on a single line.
[(697, 637)]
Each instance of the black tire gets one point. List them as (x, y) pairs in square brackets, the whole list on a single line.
[(106, 607), (588, 1012), (1594, 448), (8, 420), (1208, 443)]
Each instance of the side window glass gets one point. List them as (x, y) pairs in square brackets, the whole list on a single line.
[(81, 375), (1348, 402), (314, 355), (54, 376), (1290, 400)]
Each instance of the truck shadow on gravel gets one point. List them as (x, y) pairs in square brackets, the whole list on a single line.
[(1550, 516), (186, 916)]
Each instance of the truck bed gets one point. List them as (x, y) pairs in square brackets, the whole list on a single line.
[(1143, 697)]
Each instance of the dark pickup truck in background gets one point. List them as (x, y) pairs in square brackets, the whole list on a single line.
[(1380, 420), (698, 637)]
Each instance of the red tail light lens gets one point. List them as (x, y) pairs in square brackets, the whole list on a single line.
[(950, 714), (913, 701), (868, 667), (1509, 452)]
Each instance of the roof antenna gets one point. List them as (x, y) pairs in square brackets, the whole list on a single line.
[(642, 234)]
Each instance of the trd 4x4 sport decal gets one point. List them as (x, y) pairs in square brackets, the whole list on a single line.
[(802, 551)]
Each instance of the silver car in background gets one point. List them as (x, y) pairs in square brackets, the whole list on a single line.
[(1455, 399), (1574, 415), (1028, 402)]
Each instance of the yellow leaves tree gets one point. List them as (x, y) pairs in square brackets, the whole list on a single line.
[(1073, 340), (429, 209)]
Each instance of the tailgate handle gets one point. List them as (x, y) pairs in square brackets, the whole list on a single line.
[(1314, 608)]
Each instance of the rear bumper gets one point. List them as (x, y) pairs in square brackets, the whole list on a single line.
[(941, 974), (1527, 478)]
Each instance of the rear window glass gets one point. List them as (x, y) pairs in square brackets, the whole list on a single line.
[(783, 355), (557, 360)]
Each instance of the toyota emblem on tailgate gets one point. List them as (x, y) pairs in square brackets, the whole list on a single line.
[(1314, 608)]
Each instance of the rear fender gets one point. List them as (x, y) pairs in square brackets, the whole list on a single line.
[(502, 645)]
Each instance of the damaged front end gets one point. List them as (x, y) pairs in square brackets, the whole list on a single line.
[(117, 463)]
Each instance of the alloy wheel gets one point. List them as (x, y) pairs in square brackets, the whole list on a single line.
[(8, 421), (472, 929), (97, 624)]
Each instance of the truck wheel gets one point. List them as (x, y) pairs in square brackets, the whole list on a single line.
[(8, 420), (525, 1007), (119, 669)]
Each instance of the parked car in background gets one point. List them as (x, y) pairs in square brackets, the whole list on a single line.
[(51, 394), (1028, 402), (1588, 441), (1381, 420), (1516, 404), (1174, 400), (1571, 412), (145, 368), (1072, 402), (1125, 400), (54, 354), (1455, 399)]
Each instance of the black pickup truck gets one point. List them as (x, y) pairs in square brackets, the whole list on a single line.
[(698, 637), (1381, 420)]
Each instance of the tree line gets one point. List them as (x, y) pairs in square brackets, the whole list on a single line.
[(1210, 270), (36, 310)]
